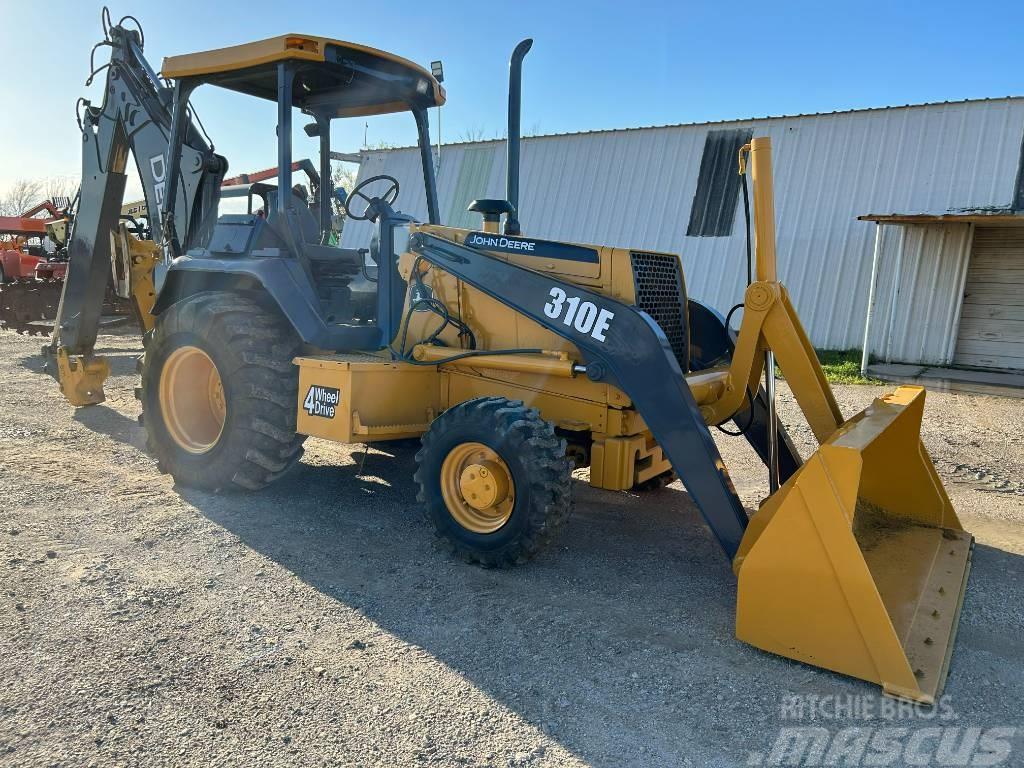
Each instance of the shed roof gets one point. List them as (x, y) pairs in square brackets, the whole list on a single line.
[(1005, 218)]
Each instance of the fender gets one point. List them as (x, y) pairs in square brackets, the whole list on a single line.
[(282, 280)]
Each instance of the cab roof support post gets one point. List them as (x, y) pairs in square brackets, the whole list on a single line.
[(427, 161), (285, 78), (326, 191)]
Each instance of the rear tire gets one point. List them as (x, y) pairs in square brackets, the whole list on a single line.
[(232, 427), (503, 436)]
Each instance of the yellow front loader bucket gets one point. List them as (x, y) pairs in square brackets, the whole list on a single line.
[(858, 563)]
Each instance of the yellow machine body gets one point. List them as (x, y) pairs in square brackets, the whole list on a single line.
[(363, 398), (858, 564), (385, 400)]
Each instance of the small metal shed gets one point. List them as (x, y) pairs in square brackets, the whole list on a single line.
[(947, 289)]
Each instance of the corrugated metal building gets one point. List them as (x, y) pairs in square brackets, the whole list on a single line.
[(944, 181)]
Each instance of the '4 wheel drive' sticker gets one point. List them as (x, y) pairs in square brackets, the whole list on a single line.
[(322, 401)]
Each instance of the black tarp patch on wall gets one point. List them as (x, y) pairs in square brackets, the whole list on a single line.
[(718, 184)]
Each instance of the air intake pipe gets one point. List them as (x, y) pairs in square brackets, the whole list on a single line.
[(515, 97)]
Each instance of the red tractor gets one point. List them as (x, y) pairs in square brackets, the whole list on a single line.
[(18, 256), (30, 276)]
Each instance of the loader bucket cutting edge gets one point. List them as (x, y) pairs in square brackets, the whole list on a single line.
[(858, 564)]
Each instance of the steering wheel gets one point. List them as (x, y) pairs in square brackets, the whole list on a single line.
[(388, 197)]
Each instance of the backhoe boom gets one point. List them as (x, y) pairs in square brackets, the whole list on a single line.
[(135, 116)]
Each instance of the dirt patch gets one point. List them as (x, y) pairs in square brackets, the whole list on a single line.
[(317, 623), (872, 525)]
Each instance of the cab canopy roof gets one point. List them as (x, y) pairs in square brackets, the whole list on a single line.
[(331, 76)]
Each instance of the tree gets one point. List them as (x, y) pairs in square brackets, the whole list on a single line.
[(472, 134), (22, 195), (60, 187), (343, 177)]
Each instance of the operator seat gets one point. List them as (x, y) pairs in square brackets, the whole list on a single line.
[(308, 227), (309, 231)]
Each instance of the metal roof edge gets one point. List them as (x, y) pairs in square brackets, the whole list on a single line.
[(595, 131), (981, 215)]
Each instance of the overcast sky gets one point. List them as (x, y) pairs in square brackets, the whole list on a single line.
[(594, 64)]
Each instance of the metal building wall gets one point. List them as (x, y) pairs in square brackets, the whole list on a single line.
[(932, 264), (634, 188)]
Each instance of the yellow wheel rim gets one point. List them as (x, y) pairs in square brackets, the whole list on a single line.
[(192, 400), (477, 487)]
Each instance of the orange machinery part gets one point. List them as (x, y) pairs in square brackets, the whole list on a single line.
[(16, 263)]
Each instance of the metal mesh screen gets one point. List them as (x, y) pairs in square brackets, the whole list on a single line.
[(659, 292)]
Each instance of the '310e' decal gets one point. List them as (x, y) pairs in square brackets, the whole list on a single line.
[(584, 316)]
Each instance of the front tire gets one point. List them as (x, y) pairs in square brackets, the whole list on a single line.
[(219, 393), (494, 481)]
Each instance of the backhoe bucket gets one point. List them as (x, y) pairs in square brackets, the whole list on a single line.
[(858, 564)]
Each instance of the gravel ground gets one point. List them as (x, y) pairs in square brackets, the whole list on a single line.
[(316, 623)]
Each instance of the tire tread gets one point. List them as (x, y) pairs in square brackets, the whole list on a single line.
[(259, 347), (550, 476)]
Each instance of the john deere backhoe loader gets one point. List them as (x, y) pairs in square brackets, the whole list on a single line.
[(512, 357)]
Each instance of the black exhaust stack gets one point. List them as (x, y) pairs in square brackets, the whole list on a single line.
[(515, 97)]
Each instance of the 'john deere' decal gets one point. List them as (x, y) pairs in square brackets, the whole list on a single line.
[(322, 401), (543, 249)]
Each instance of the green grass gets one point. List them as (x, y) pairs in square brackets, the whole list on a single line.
[(842, 366)]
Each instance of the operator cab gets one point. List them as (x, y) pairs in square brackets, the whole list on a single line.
[(332, 297)]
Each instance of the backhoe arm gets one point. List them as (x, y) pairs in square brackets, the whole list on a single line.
[(135, 117)]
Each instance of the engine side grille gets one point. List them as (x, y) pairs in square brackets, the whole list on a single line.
[(660, 292)]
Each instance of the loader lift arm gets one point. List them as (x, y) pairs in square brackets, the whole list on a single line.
[(135, 116)]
